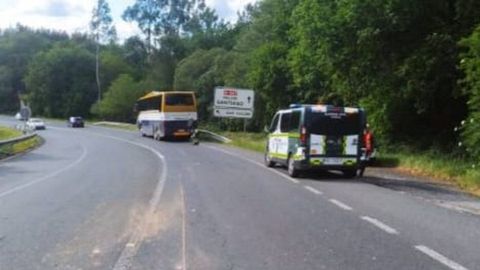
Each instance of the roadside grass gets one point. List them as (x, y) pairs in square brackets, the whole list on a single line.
[(124, 126), (440, 167), (17, 148), (8, 133), (25, 145), (251, 141), (437, 166)]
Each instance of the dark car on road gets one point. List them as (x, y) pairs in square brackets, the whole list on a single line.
[(76, 121)]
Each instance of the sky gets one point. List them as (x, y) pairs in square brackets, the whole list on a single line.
[(74, 16)]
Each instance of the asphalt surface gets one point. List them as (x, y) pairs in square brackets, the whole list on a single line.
[(99, 198)]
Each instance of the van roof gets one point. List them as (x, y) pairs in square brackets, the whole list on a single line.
[(320, 108)]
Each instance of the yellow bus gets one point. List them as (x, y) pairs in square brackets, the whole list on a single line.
[(167, 114)]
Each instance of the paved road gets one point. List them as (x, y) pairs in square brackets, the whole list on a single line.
[(97, 198)]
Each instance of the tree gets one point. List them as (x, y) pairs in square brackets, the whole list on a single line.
[(135, 54), (146, 14), (59, 85), (17, 48), (470, 63), (199, 72), (103, 31), (120, 99)]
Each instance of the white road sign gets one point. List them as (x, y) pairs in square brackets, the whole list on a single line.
[(233, 113), (234, 98), (233, 102)]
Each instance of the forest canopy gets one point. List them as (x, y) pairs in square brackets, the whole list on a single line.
[(413, 65)]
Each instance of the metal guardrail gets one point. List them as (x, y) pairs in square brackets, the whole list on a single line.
[(215, 136), (208, 133), (112, 124), (6, 146), (18, 139)]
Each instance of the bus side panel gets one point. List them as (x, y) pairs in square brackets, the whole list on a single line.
[(148, 121), (146, 127)]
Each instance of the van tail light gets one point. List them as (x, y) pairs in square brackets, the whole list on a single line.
[(303, 135)]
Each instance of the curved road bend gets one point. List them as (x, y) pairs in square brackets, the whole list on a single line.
[(98, 198)]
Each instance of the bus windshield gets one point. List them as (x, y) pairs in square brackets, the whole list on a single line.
[(334, 125)]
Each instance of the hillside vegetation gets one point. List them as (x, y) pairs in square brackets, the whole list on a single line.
[(414, 65)]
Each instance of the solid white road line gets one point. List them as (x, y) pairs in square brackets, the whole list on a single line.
[(46, 177), (256, 163), (313, 190), (184, 230), (124, 262), (440, 258), (341, 205), (380, 225)]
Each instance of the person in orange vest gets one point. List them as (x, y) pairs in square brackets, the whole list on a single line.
[(369, 148), (368, 142)]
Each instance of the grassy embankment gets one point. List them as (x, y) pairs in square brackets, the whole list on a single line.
[(130, 127), (429, 164), (8, 133)]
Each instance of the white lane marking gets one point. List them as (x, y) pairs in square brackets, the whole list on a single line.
[(256, 163), (313, 190), (341, 204), (380, 225), (46, 177), (124, 262), (440, 258), (184, 230)]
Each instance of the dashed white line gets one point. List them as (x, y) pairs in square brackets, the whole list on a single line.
[(380, 225), (313, 190), (256, 163), (341, 204), (440, 258)]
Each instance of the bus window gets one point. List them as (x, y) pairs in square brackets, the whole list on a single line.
[(285, 122), (179, 100), (347, 124), (151, 104), (295, 121)]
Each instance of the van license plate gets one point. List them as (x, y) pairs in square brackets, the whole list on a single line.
[(333, 161)]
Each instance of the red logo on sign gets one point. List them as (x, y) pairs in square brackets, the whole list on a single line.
[(229, 92)]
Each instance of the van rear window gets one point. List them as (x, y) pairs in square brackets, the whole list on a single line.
[(334, 124)]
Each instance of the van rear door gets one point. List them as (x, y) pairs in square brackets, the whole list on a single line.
[(334, 132)]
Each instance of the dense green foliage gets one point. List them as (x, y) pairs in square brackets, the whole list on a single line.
[(470, 63), (117, 102), (415, 66), (70, 91)]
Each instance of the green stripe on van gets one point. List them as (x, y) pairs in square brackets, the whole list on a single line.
[(285, 135), (277, 155)]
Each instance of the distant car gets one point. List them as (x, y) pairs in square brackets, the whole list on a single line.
[(76, 121), (36, 124)]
